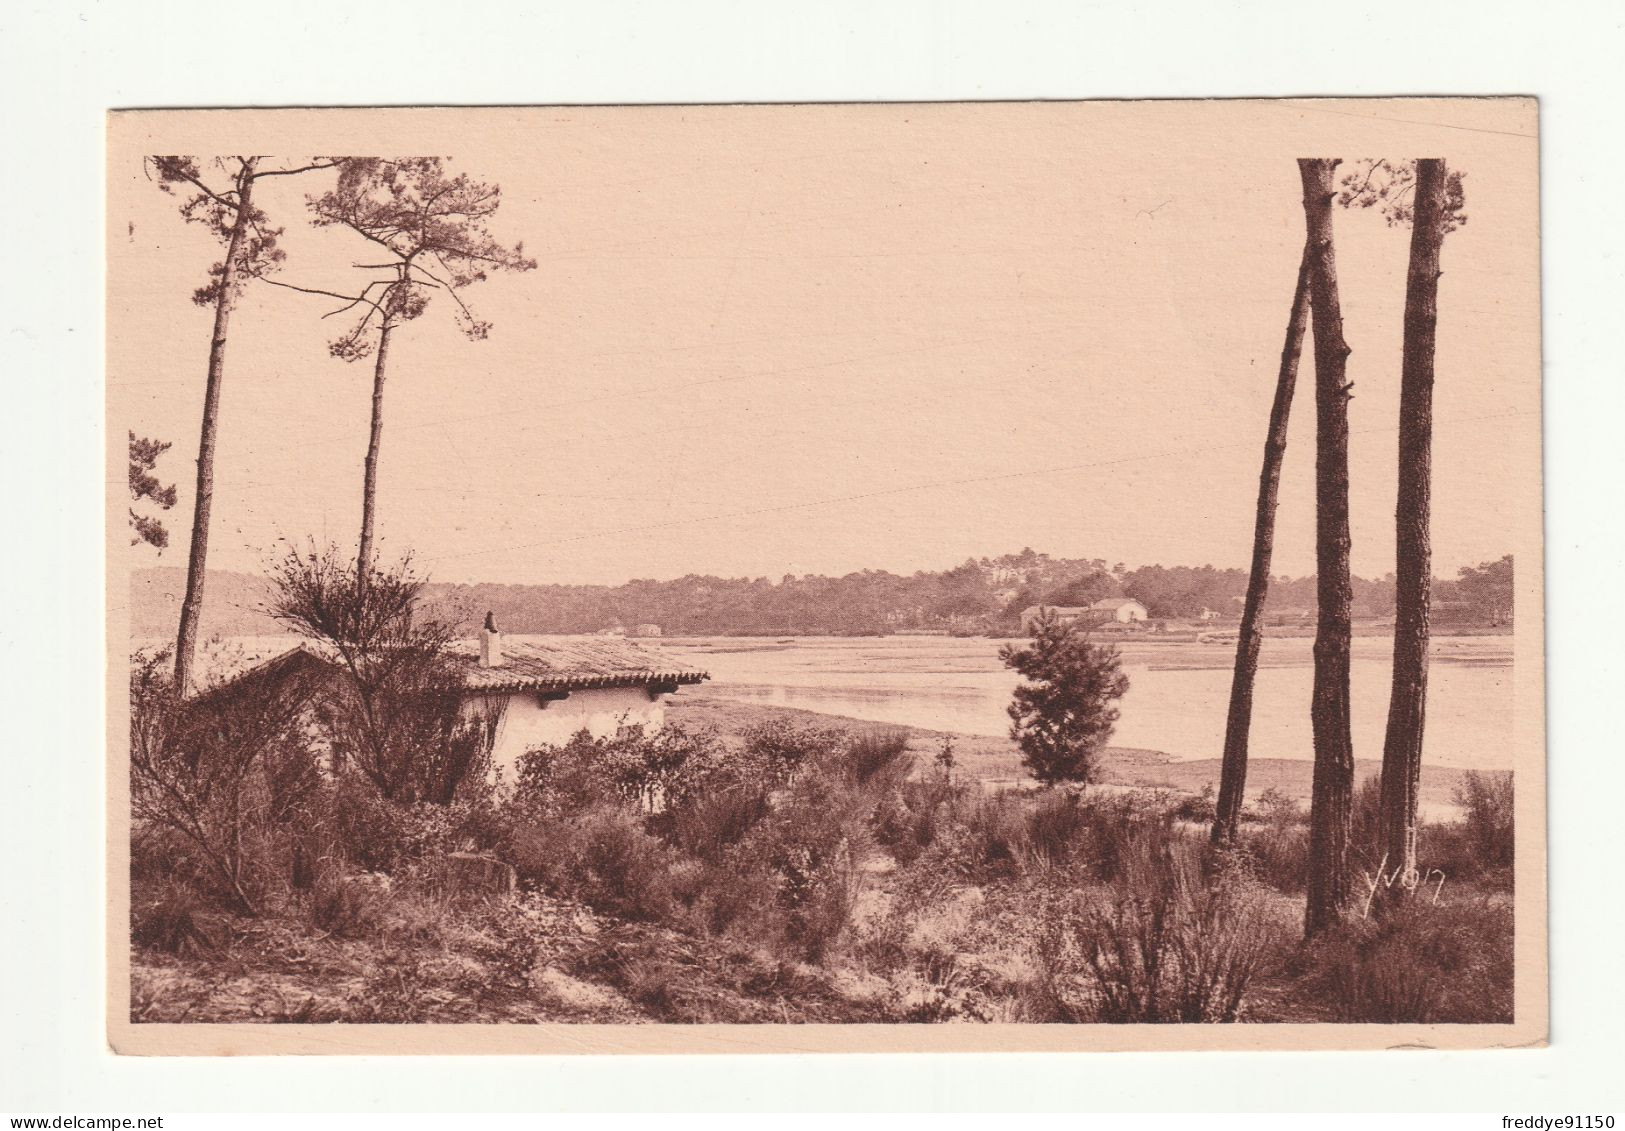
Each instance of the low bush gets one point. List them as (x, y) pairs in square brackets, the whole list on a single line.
[(1366, 840), (603, 857), (643, 971), (1276, 807), (508, 946), (1118, 827), (345, 903), (1453, 853), (939, 986), (908, 819), (1004, 835), (1057, 826), (368, 831), (1488, 824), (1417, 962), (468, 824), (992, 836), (1197, 808), (168, 917), (393, 989), (651, 771), (1161, 943), (815, 842), (870, 753), (778, 748), (738, 895), (159, 856), (1275, 845), (708, 824)]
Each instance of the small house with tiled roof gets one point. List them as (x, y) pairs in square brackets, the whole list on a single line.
[(550, 687), (541, 690)]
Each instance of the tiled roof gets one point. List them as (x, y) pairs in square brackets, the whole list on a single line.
[(571, 662), (531, 663)]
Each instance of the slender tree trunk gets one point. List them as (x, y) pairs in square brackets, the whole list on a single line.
[(1331, 802), (369, 483), (1413, 570), (197, 562), (1233, 774)]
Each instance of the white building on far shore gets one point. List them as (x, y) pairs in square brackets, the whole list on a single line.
[(1121, 610)]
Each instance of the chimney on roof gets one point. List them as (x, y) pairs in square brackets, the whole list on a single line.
[(490, 644)]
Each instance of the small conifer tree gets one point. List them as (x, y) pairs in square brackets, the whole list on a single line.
[(1062, 717)]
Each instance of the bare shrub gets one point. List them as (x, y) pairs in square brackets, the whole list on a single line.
[(397, 709)]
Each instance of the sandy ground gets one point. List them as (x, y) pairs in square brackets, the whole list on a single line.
[(996, 761)]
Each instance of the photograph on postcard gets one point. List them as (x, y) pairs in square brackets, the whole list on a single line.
[(1052, 575)]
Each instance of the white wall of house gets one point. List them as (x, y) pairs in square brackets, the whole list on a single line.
[(527, 723), (1129, 612)]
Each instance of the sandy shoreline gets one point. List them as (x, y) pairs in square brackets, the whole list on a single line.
[(996, 761)]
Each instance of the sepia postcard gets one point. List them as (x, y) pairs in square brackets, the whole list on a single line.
[(1046, 576)]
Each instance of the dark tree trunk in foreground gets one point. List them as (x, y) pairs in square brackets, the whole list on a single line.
[(369, 484), (1407, 705), (1333, 789), (1233, 774), (197, 561)]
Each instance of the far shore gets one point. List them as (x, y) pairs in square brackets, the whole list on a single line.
[(997, 762)]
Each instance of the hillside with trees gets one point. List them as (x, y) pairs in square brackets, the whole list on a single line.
[(982, 595)]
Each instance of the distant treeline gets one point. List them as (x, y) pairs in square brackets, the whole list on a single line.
[(982, 595)]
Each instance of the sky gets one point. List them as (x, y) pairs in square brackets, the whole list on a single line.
[(788, 340)]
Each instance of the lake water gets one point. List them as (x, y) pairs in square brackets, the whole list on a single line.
[(1177, 699)]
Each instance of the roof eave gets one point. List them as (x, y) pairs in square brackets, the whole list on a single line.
[(586, 683)]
